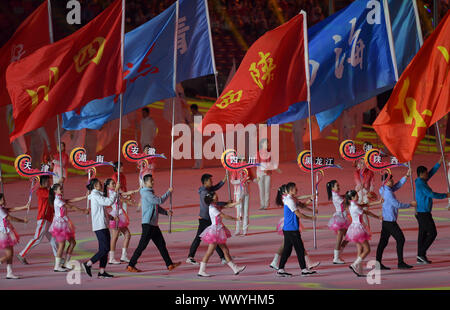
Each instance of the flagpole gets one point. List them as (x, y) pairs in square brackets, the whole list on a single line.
[(387, 18), (122, 36), (305, 43), (175, 53), (50, 33), (216, 83)]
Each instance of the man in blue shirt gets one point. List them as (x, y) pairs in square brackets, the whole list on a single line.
[(389, 226), (424, 198), (150, 228)]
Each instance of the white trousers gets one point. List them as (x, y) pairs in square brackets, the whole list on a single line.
[(41, 231), (242, 210), (264, 190)]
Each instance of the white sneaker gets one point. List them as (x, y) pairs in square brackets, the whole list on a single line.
[(59, 269), (273, 266), (203, 274), (313, 265), (113, 262), (12, 277), (338, 261), (191, 261), (124, 259)]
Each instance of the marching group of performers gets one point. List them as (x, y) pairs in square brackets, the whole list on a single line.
[(108, 202)]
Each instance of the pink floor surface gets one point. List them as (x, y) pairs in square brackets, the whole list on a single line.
[(255, 250)]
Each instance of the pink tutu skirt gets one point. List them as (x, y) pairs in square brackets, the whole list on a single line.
[(123, 222), (356, 232), (337, 222), (8, 239), (62, 230), (215, 234)]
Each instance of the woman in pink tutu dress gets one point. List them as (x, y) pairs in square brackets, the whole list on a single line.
[(216, 234), (357, 232), (62, 228), (339, 222), (281, 194), (120, 222), (8, 235)]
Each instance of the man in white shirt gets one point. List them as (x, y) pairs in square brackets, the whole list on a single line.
[(148, 128)]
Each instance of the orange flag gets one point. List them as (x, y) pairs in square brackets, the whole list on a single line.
[(67, 74), (271, 77), (420, 98), (31, 35)]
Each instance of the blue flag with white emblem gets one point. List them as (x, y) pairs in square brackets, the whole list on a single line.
[(350, 61), (149, 64)]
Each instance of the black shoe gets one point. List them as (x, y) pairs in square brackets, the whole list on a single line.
[(404, 265), (423, 260), (284, 274), (383, 267), (87, 269), (308, 272), (104, 275)]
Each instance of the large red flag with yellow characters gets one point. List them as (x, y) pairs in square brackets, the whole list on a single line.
[(271, 77), (420, 98), (67, 74), (31, 35)]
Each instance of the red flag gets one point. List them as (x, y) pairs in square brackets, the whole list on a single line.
[(31, 35), (420, 98), (67, 74), (271, 77)]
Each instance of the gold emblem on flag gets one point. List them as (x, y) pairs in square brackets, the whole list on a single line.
[(229, 98), (91, 52), (262, 70), (409, 109), (34, 93)]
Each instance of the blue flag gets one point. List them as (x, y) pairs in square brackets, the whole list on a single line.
[(194, 57), (148, 69), (350, 61)]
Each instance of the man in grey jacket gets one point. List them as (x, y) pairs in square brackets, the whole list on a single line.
[(204, 220), (150, 228)]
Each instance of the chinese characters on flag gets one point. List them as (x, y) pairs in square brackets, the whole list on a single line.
[(271, 77), (420, 98), (67, 74)]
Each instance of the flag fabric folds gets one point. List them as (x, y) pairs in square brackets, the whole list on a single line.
[(420, 98), (32, 34), (65, 75), (350, 59), (152, 45), (271, 77)]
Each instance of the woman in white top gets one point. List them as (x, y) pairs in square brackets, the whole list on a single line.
[(339, 221), (216, 234), (264, 172), (100, 219), (62, 228), (357, 232), (8, 235)]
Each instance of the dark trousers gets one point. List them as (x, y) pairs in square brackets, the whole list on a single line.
[(293, 239), (153, 233), (104, 242), (389, 229), (427, 232), (202, 224)]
